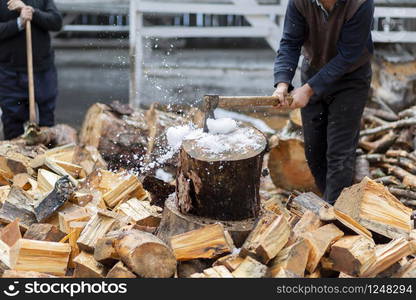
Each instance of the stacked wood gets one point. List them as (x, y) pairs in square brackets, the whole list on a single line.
[(386, 153), (71, 210)]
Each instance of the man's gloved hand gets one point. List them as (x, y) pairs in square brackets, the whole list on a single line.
[(16, 5)]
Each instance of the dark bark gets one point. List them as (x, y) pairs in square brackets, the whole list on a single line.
[(226, 189)]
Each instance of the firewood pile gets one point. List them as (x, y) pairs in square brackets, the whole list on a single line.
[(387, 151), (100, 209)]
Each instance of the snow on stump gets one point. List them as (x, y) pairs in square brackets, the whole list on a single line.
[(219, 172)]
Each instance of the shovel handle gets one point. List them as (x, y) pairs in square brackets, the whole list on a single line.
[(32, 107), (245, 101)]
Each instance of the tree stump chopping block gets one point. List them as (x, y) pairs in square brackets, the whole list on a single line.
[(219, 175)]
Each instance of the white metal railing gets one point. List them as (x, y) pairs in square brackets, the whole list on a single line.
[(261, 15)]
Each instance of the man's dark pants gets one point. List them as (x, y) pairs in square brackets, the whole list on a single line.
[(14, 99), (331, 125)]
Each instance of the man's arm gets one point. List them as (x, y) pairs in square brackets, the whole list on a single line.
[(351, 45), (8, 29), (287, 58), (49, 18)]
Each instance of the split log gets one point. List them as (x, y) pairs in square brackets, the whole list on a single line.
[(207, 242), (22, 181), (77, 214), (174, 222), (207, 185), (287, 163), (11, 233), (268, 237), (44, 232), (230, 261), (320, 240), (96, 228), (39, 256), (87, 267), (292, 259), (89, 159), (145, 254), (123, 191), (13, 164), (250, 268), (141, 212), (104, 251), (119, 270), (374, 207), (352, 254), (54, 200), (387, 255), (19, 205), (304, 202), (47, 180), (309, 222), (53, 166)]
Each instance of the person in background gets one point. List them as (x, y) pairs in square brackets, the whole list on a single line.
[(44, 18), (336, 73)]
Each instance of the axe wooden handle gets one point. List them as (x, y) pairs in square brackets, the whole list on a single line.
[(246, 101), (32, 107)]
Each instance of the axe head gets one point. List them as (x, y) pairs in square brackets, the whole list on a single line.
[(210, 104)]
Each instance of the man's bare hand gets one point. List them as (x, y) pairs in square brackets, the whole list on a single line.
[(281, 92), (16, 5), (26, 14), (301, 96)]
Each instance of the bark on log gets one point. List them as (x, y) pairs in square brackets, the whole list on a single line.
[(145, 254), (221, 186)]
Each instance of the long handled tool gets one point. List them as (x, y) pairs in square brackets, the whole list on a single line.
[(29, 51), (211, 102)]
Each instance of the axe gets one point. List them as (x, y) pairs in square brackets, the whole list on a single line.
[(211, 102)]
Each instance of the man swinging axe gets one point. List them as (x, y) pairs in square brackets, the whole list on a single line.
[(335, 36), (44, 17)]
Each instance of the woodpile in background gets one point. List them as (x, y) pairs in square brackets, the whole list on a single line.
[(76, 211), (387, 151)]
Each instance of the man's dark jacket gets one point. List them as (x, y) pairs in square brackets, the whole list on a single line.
[(13, 42)]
